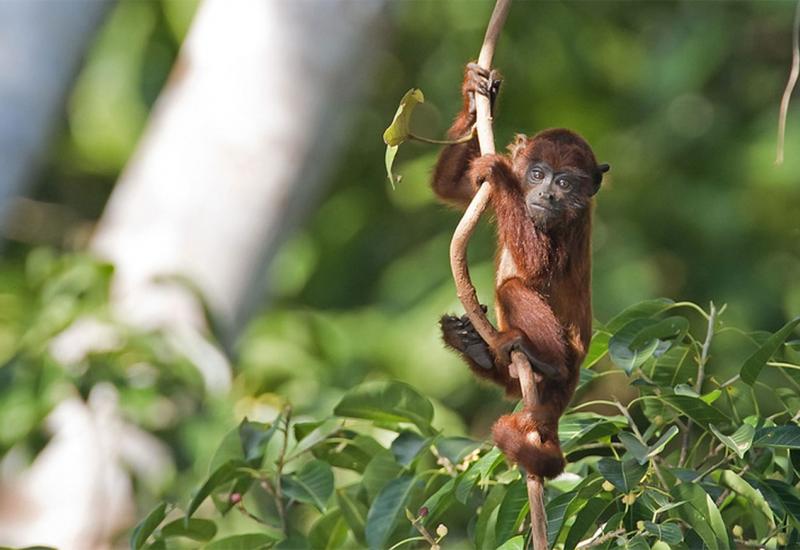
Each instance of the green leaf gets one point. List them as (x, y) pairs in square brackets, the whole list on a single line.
[(621, 349), (516, 543), (753, 365), (328, 532), (597, 349), (407, 446), (391, 153), (398, 130), (783, 437), (146, 527), (739, 441), (226, 473), (624, 475), (667, 532), (354, 454), (512, 512), (479, 471), (312, 484), (456, 449), (657, 447), (387, 402), (646, 309), (386, 511), (574, 429), (317, 435), (634, 446), (354, 513), (700, 512), (586, 519), (788, 497), (487, 518), (735, 483), (250, 541), (674, 367), (195, 529), (379, 472), (555, 511), (639, 339), (254, 437), (696, 409), (439, 501)]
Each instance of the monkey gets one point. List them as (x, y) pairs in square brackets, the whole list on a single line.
[(542, 195)]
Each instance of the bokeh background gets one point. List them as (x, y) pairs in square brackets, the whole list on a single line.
[(681, 98)]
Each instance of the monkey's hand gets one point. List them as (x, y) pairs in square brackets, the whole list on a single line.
[(478, 80), (494, 168), (516, 341), (460, 334)]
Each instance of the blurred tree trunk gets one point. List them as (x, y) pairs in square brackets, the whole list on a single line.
[(236, 150), (41, 46)]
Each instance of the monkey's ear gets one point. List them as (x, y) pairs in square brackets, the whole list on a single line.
[(518, 145), (601, 169)]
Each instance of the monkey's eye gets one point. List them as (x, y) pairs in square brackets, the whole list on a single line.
[(536, 175), (563, 183)]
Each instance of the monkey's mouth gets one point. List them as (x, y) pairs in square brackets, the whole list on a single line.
[(536, 210)]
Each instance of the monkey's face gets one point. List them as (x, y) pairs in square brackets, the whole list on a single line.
[(559, 176), (555, 195)]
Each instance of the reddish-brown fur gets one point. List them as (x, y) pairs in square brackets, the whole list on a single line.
[(542, 293)]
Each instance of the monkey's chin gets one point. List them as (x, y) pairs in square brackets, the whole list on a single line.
[(542, 217)]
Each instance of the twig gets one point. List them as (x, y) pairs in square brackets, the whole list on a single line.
[(279, 469), (701, 374), (458, 263), (624, 410), (592, 542), (787, 92)]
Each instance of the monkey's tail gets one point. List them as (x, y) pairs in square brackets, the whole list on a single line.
[(531, 443)]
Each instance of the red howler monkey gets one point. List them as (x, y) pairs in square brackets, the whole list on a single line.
[(542, 198)]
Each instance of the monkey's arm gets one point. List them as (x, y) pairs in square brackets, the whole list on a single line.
[(450, 178)]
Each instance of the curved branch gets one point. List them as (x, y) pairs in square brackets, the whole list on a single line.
[(466, 290), (787, 92)]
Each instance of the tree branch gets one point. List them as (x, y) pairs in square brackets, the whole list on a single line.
[(787, 92), (520, 368)]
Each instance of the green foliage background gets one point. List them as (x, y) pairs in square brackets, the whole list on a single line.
[(679, 97)]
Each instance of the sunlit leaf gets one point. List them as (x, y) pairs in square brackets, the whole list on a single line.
[(575, 429), (195, 529), (398, 130), (439, 502), (634, 446), (477, 471), (700, 512), (739, 441), (598, 348), (389, 402), (516, 543), (391, 153), (379, 472), (639, 339), (328, 532), (753, 365), (306, 441), (657, 447), (754, 497)]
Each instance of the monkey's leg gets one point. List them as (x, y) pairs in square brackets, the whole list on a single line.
[(529, 325)]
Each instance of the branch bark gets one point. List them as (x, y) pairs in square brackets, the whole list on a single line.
[(787, 92), (520, 367)]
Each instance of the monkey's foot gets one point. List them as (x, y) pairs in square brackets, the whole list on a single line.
[(481, 81), (460, 334), (522, 344)]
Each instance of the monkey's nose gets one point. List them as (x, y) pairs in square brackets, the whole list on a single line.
[(547, 195)]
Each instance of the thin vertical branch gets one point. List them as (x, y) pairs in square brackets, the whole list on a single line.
[(787, 92), (464, 287)]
